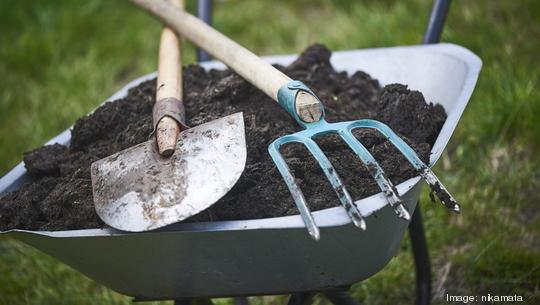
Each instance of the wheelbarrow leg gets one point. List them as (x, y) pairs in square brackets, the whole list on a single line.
[(188, 301), (340, 298), (304, 298), (241, 301), (191, 301), (203, 301), (421, 258)]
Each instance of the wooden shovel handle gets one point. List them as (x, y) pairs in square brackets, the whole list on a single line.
[(169, 88), (236, 57)]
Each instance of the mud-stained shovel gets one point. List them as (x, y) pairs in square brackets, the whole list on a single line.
[(179, 172)]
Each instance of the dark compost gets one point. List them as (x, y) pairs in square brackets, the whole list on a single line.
[(60, 194)]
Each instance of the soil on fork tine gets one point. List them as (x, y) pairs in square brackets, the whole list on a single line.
[(60, 194)]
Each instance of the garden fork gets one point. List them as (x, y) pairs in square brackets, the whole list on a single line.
[(306, 108), (288, 96)]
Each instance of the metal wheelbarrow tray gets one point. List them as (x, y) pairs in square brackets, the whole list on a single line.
[(274, 255)]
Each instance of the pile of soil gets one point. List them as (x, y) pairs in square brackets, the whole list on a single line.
[(60, 196)]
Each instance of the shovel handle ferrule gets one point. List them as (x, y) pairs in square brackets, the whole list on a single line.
[(169, 107), (301, 103)]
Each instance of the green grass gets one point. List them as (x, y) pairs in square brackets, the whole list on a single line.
[(60, 59)]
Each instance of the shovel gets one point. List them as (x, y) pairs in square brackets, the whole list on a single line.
[(306, 108), (179, 172)]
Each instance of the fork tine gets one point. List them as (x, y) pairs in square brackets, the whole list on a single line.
[(331, 174), (439, 190), (425, 172), (377, 172), (294, 189)]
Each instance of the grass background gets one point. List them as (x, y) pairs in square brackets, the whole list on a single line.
[(60, 59)]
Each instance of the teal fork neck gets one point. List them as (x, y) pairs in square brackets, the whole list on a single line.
[(288, 96)]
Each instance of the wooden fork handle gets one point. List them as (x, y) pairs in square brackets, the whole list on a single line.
[(236, 57)]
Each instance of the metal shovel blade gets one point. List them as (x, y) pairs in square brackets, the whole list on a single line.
[(138, 190)]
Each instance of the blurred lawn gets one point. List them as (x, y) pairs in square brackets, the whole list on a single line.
[(60, 59)]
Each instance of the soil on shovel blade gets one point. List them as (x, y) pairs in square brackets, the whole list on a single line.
[(60, 196)]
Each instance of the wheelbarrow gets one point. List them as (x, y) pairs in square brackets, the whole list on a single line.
[(274, 255)]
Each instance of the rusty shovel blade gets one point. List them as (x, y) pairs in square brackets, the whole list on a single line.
[(139, 190)]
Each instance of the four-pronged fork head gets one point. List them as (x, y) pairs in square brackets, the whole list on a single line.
[(288, 97)]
